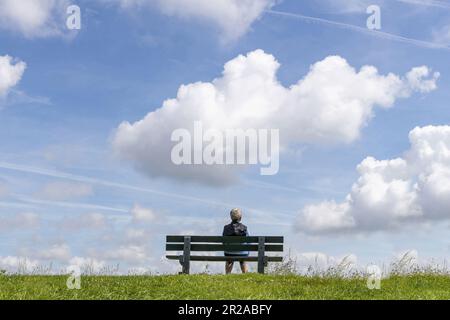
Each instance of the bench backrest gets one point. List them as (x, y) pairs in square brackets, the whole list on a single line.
[(216, 243)]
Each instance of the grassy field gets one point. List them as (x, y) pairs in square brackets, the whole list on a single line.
[(250, 286)]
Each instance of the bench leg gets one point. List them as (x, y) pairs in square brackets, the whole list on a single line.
[(186, 262), (261, 253)]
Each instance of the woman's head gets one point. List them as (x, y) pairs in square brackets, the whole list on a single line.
[(236, 215)]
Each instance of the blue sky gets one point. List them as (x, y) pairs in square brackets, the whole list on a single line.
[(69, 194)]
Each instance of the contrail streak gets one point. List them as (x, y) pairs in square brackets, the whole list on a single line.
[(31, 203), (64, 204), (374, 33), (8, 204), (429, 3), (78, 178)]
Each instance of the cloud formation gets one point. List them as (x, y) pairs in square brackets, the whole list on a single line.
[(141, 214), (317, 262), (233, 17), (18, 264), (46, 18), (87, 265), (442, 35), (33, 18), (4, 190), (59, 191), (11, 71), (60, 252), (330, 104), (390, 193), (347, 6), (21, 221), (92, 221)]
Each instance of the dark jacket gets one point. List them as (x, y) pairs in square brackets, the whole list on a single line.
[(235, 229)]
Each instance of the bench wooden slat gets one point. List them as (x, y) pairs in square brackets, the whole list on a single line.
[(223, 258), (224, 247), (217, 239)]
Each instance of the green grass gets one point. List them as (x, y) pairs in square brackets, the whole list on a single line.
[(250, 286)]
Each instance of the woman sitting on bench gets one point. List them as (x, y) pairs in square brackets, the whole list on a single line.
[(235, 228)]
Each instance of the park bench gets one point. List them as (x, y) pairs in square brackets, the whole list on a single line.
[(188, 244)]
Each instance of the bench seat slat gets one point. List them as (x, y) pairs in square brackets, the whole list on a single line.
[(224, 247), (223, 258), (217, 239)]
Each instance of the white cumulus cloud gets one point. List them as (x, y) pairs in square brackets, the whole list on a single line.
[(86, 265), (128, 254), (11, 71), (17, 264), (141, 214), (318, 262), (21, 221), (33, 18), (330, 104), (55, 252), (233, 17), (389, 193)]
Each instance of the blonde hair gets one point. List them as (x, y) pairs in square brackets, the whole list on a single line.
[(236, 214)]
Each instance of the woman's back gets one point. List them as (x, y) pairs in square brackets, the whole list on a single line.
[(235, 229)]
